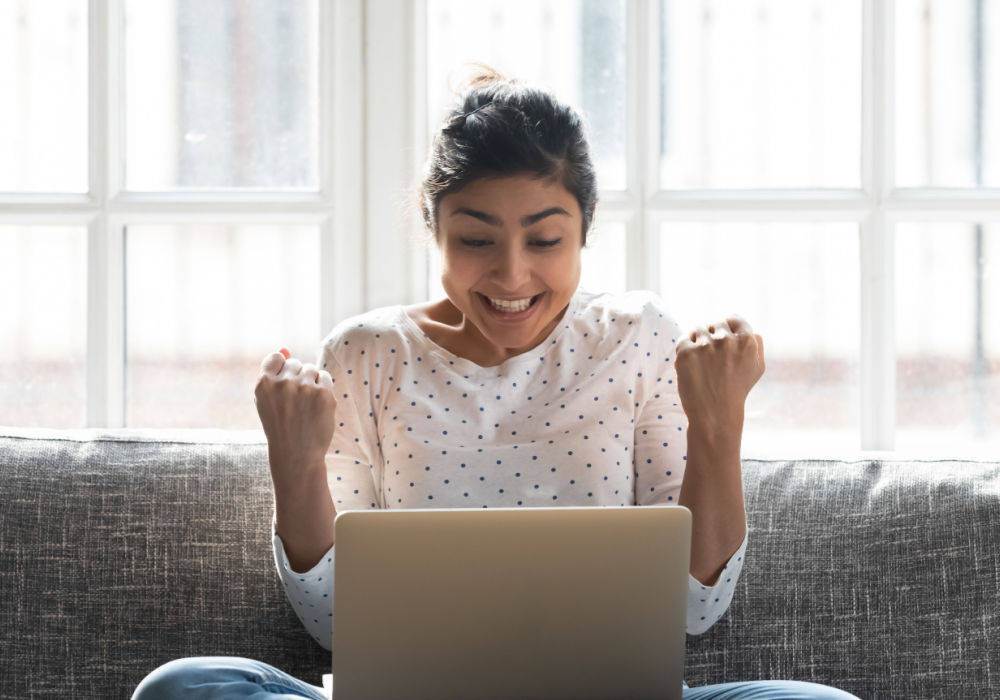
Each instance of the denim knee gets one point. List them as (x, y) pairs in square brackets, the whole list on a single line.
[(171, 680), (812, 691), (221, 678), (767, 690)]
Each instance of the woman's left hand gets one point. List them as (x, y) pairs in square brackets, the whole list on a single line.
[(717, 365)]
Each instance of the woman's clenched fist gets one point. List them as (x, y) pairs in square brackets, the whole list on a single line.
[(296, 406), (717, 365)]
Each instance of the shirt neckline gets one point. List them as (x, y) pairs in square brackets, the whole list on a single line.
[(468, 367)]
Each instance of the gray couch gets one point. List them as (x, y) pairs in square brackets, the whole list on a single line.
[(123, 550)]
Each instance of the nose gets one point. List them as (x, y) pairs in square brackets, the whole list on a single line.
[(512, 269)]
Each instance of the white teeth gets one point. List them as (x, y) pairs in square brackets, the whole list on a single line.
[(510, 306)]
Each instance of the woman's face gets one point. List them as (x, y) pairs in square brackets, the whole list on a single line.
[(510, 249)]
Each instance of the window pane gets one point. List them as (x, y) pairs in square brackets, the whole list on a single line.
[(760, 94), (603, 260), (43, 108), (948, 93), (798, 286), (574, 47), (947, 333), (204, 305), (43, 326), (221, 95)]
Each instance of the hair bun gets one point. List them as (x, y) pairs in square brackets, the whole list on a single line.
[(499, 127), (476, 76)]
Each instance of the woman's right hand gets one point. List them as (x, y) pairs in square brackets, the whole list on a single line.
[(296, 406)]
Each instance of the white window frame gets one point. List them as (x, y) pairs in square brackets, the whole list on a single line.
[(107, 208), (373, 135)]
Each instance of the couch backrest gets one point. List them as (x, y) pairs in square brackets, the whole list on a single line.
[(119, 555), (123, 551), (880, 577)]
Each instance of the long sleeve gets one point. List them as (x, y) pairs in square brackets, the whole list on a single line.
[(354, 460), (707, 604), (310, 593), (353, 463), (660, 457)]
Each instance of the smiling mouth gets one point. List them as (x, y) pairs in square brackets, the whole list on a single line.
[(512, 305)]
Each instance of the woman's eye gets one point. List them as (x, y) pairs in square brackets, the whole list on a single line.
[(474, 242), (546, 243)]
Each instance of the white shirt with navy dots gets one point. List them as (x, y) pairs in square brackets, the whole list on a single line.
[(590, 417)]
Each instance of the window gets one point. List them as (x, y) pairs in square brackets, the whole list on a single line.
[(238, 177), (164, 224), (789, 161)]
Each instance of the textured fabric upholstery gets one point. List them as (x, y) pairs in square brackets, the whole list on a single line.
[(879, 577), (118, 554), (120, 551)]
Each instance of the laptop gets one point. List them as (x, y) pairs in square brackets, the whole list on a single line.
[(510, 603)]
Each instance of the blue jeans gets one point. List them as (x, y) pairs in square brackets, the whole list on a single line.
[(226, 677)]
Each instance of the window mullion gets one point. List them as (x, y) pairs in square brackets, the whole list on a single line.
[(878, 361), (342, 239), (105, 290), (420, 263), (388, 149), (642, 119)]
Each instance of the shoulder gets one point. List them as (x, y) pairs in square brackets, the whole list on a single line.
[(635, 311), (383, 325)]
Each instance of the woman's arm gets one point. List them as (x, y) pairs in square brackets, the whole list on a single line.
[(296, 407), (716, 368), (713, 491), (310, 593), (303, 513)]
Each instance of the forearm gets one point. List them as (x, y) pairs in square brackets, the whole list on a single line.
[(713, 491), (304, 515)]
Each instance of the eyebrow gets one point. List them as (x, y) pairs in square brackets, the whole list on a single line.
[(497, 221)]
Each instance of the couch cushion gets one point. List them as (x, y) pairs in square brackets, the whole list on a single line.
[(121, 552), (878, 577)]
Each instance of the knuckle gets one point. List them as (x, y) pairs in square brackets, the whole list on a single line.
[(264, 382)]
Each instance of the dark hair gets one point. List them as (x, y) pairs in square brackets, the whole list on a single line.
[(501, 127)]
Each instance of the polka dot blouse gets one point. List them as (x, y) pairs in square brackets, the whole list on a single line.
[(590, 417)]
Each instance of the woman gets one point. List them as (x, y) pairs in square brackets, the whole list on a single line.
[(517, 389)]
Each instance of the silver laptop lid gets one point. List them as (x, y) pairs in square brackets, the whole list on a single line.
[(510, 603)]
